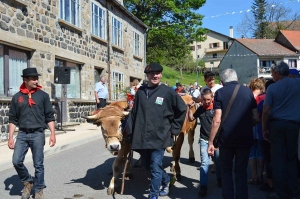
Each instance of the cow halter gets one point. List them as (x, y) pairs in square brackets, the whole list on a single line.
[(106, 137)]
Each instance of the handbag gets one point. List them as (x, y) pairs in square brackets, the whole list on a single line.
[(216, 139)]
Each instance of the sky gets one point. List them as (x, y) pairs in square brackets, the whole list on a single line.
[(221, 14)]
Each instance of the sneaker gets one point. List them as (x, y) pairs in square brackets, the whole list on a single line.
[(26, 190), (39, 195), (203, 190), (165, 190)]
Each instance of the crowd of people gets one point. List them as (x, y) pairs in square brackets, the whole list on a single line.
[(256, 125)]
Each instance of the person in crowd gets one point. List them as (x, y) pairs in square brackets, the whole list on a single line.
[(256, 158), (179, 89), (236, 135), (135, 86), (196, 92), (31, 111), (209, 78), (205, 114), (281, 109), (191, 89), (101, 92), (157, 115), (266, 148)]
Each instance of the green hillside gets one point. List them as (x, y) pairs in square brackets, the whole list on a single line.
[(171, 76)]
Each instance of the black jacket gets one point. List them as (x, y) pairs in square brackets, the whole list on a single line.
[(155, 117), (37, 116)]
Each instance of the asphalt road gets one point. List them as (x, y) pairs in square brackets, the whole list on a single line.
[(84, 172)]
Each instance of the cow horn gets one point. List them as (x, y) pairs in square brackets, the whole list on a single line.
[(91, 117), (126, 113)]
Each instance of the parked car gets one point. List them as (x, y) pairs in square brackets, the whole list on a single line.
[(267, 69)]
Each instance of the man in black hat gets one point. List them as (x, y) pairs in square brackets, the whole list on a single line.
[(32, 112), (158, 114)]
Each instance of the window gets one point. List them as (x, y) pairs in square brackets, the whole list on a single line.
[(198, 47), (98, 21), (225, 45), (192, 48), (137, 44), (12, 63), (97, 73), (72, 90), (70, 11), (214, 45), (117, 86), (215, 55), (117, 32), (292, 63)]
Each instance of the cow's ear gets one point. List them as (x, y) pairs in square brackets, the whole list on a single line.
[(125, 113)]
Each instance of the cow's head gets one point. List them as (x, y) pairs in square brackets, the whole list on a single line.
[(110, 119)]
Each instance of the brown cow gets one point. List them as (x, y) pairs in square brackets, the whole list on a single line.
[(109, 118), (187, 128)]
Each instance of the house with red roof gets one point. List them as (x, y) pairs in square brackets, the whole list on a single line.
[(252, 58)]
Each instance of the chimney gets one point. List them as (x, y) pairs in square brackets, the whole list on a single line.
[(243, 36), (231, 31)]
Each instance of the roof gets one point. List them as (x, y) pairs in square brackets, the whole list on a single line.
[(266, 47), (218, 33), (293, 37), (118, 3)]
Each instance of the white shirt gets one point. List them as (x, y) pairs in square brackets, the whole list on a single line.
[(196, 93), (213, 89)]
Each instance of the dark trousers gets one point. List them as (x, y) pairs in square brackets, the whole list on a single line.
[(238, 156), (266, 148), (153, 161), (102, 103), (284, 147)]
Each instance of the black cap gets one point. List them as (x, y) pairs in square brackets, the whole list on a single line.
[(30, 72), (153, 67)]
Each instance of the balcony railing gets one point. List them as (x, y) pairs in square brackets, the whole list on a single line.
[(215, 49)]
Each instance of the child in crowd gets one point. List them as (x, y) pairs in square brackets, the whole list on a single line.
[(205, 113)]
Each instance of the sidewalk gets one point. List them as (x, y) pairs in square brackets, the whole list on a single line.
[(84, 133)]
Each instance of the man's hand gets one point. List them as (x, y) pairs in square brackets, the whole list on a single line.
[(52, 140), (191, 104), (211, 149), (97, 101), (11, 143)]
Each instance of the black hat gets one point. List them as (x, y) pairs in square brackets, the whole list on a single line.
[(30, 72), (153, 67)]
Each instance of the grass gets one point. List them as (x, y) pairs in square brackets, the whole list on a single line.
[(172, 76)]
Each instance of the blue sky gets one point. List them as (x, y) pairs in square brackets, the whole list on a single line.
[(221, 14)]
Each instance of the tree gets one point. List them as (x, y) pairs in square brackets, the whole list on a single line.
[(277, 16), (260, 22), (173, 26)]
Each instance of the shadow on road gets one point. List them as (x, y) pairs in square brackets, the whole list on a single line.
[(13, 185), (97, 178)]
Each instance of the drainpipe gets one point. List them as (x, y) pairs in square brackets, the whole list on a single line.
[(145, 48), (108, 51)]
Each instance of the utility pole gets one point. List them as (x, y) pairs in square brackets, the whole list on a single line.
[(197, 63)]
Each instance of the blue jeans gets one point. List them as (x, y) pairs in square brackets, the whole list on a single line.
[(35, 141), (239, 156), (205, 162), (284, 148), (153, 161)]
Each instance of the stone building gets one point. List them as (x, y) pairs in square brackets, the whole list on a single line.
[(91, 37)]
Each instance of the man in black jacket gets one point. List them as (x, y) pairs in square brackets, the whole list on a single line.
[(32, 112), (158, 114)]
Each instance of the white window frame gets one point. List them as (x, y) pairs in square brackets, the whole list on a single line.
[(77, 14), (137, 44), (117, 85), (101, 23), (117, 32)]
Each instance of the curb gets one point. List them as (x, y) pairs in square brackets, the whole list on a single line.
[(52, 151)]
